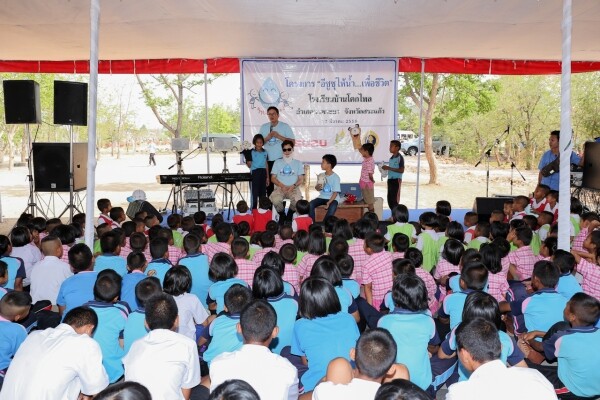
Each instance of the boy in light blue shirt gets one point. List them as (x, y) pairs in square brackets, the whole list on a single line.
[(135, 327), (197, 263), (223, 330), (567, 283), (14, 306), (16, 267), (110, 243), (79, 288), (136, 264), (112, 317), (329, 190), (160, 264)]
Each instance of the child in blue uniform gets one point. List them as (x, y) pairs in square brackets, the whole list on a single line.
[(14, 306), (324, 267), (197, 263), (567, 283), (110, 243), (16, 267), (79, 288), (222, 271), (268, 285), (160, 264), (136, 264), (223, 329), (135, 327), (345, 263), (412, 327), (574, 344), (395, 170), (112, 317), (323, 333)]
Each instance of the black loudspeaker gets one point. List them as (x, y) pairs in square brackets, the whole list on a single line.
[(51, 167), (22, 102), (70, 103), (591, 166), (141, 205), (485, 205)]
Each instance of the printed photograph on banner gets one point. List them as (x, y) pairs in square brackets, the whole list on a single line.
[(328, 106)]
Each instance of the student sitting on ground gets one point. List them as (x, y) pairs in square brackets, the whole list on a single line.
[(16, 267), (160, 264), (48, 275), (14, 306), (223, 272), (78, 289), (110, 243), (134, 327)]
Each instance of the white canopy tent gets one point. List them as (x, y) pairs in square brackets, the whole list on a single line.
[(461, 36)]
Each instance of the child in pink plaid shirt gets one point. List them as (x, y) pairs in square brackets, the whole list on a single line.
[(377, 271), (588, 222), (587, 264), (522, 259), (246, 268), (449, 262), (366, 175)]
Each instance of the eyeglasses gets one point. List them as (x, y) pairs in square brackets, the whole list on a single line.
[(288, 149), (271, 114)]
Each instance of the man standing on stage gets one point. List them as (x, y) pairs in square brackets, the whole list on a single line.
[(548, 165), (275, 132)]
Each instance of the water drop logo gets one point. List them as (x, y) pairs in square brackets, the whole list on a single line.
[(269, 94), (327, 188), (287, 170)]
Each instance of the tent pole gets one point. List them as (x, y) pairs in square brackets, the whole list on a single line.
[(566, 143), (420, 131), (93, 101), (206, 116)]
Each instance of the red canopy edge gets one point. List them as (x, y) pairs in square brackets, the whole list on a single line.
[(231, 65)]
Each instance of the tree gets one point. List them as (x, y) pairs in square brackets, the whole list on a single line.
[(165, 95)]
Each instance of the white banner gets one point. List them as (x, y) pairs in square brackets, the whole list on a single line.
[(331, 105)]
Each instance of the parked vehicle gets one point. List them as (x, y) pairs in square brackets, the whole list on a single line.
[(411, 147), (403, 136), (224, 140)]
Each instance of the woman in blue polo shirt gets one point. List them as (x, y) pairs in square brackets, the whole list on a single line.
[(323, 332)]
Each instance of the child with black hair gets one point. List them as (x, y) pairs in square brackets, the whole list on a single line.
[(160, 264), (16, 267), (448, 263), (552, 203), (538, 199), (14, 306), (587, 264), (473, 277), (224, 236), (222, 329), (374, 356), (302, 220), (399, 266), (470, 221), (570, 343), (104, 206), (244, 230), (539, 310), (112, 316), (412, 327), (200, 220), (497, 216), (139, 242), (210, 231), (193, 317), (316, 248), (223, 272), (37, 227), (376, 273), (589, 222), (497, 284), (400, 225), (481, 235), (428, 240), (443, 207), (442, 228), (268, 285), (246, 267), (323, 332), (175, 253), (455, 231), (289, 254), (567, 283), (24, 249), (337, 247), (367, 170), (413, 254), (274, 261), (519, 205), (66, 234), (117, 214), (243, 214), (100, 230), (544, 221), (3, 278), (400, 243), (329, 189), (197, 264), (187, 224), (549, 246), (360, 230), (522, 259), (345, 264), (498, 229), (79, 288), (136, 266), (110, 244), (134, 327), (128, 228), (263, 214), (301, 239), (174, 224), (267, 242), (326, 268), (286, 236), (507, 209)]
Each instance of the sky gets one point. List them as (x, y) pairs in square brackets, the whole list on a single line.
[(224, 90)]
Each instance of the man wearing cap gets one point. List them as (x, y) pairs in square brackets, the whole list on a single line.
[(275, 132)]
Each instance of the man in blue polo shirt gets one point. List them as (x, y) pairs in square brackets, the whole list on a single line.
[(275, 132), (287, 174), (550, 176)]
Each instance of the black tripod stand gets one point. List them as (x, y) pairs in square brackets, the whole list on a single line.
[(177, 189), (487, 160)]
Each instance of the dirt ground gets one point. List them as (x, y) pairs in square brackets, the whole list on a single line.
[(116, 179)]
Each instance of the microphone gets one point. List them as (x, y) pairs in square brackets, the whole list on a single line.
[(270, 128), (507, 130)]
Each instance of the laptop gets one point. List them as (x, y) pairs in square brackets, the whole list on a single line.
[(352, 188)]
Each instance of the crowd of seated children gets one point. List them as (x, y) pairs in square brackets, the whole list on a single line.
[(325, 283)]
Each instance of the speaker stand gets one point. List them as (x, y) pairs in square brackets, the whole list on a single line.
[(32, 205), (70, 205)]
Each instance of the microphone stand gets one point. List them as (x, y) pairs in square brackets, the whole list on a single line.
[(512, 172), (177, 190), (487, 160)]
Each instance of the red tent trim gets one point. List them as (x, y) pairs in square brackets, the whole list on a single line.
[(232, 65)]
